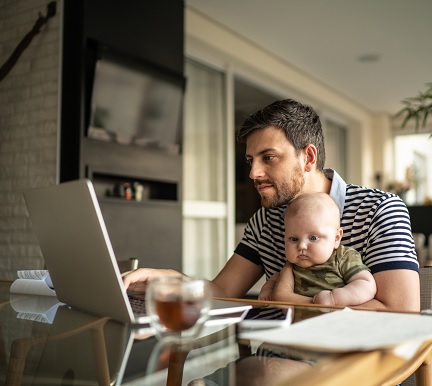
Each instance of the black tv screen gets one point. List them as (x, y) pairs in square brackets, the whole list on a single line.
[(135, 105)]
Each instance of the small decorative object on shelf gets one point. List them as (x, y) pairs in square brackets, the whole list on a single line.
[(138, 191), (127, 190)]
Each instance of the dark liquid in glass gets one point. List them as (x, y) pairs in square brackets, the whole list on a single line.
[(178, 315)]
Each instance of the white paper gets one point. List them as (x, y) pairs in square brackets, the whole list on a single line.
[(36, 274), (35, 307), (31, 286), (349, 330)]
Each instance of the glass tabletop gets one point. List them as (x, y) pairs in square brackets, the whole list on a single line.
[(58, 345), (45, 343)]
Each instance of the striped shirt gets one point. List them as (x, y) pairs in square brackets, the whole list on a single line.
[(374, 222)]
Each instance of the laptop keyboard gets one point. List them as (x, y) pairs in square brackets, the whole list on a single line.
[(138, 305)]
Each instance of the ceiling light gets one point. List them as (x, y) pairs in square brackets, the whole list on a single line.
[(368, 58)]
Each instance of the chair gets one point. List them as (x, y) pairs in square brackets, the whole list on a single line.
[(420, 247), (422, 375), (21, 347), (178, 353), (430, 247)]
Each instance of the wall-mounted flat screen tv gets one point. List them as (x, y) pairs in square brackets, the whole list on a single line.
[(135, 105)]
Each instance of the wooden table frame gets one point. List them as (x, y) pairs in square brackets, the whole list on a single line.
[(380, 368)]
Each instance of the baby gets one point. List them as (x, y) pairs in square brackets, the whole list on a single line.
[(318, 269)]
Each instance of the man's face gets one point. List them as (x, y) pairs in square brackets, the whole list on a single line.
[(275, 168)]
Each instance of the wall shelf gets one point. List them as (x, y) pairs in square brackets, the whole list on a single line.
[(112, 187)]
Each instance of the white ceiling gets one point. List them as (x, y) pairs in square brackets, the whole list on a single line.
[(325, 38)]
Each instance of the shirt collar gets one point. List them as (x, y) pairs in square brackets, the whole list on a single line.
[(338, 188)]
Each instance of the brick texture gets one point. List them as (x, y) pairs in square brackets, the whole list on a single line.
[(29, 101)]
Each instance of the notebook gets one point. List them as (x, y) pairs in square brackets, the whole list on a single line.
[(78, 254)]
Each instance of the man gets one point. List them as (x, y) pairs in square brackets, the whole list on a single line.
[(285, 150)]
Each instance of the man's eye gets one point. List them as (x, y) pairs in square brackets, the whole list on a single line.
[(268, 157), (313, 238), (293, 239), (249, 161)]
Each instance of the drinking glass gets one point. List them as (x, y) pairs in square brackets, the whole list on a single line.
[(177, 306)]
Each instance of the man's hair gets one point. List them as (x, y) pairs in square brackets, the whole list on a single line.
[(300, 123)]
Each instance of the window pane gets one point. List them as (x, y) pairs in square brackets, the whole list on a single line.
[(413, 168)]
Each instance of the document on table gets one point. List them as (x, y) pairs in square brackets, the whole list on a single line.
[(349, 330)]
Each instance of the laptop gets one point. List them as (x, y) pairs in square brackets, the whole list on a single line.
[(78, 254)]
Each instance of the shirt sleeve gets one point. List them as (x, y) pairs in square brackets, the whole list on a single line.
[(390, 242), (350, 263)]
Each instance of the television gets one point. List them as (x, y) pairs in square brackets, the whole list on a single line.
[(134, 103)]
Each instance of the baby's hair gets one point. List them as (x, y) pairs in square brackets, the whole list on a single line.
[(313, 202)]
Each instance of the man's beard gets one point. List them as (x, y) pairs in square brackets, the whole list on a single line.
[(284, 192)]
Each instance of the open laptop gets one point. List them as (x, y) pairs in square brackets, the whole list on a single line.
[(79, 256)]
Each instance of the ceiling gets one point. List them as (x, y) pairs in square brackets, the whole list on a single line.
[(374, 52)]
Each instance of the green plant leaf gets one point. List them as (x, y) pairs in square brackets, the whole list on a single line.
[(417, 108)]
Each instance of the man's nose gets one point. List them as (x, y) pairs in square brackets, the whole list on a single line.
[(256, 171)]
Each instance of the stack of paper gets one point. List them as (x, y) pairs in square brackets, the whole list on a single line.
[(349, 330)]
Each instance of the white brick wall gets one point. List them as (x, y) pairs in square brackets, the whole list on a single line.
[(28, 127)]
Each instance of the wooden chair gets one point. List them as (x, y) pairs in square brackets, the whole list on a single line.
[(21, 347), (177, 354), (430, 247), (419, 373), (421, 249)]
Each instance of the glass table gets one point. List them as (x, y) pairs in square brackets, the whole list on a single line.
[(60, 346)]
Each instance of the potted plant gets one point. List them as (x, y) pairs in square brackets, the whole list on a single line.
[(417, 108)]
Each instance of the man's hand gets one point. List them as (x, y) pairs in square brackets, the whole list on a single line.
[(136, 281)]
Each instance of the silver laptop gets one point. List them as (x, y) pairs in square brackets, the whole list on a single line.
[(79, 256)]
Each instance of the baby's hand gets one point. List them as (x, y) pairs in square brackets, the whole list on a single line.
[(265, 294), (324, 298)]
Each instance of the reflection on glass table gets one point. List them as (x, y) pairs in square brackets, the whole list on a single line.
[(80, 349)]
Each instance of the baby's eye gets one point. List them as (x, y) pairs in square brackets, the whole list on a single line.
[(314, 238), (293, 239)]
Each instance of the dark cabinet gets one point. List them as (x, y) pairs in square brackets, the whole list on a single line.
[(149, 32)]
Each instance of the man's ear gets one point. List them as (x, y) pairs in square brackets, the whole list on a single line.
[(310, 156), (338, 237)]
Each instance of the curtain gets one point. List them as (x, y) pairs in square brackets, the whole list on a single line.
[(204, 172)]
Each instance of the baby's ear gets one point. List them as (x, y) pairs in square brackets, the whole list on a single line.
[(338, 238)]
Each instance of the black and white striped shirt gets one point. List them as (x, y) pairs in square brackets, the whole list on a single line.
[(374, 222)]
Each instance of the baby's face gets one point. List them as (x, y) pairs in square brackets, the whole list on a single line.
[(310, 240)]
